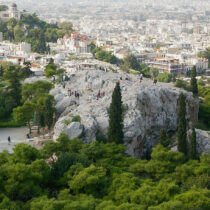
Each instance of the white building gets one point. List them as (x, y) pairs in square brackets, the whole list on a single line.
[(12, 12), (76, 43)]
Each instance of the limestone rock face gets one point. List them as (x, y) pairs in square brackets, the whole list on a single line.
[(203, 140), (148, 108), (72, 129)]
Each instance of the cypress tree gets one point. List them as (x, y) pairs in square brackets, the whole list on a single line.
[(182, 125), (193, 146), (163, 138), (115, 130), (1, 70), (193, 82)]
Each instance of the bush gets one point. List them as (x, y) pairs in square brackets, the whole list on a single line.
[(201, 82), (67, 122), (76, 119), (164, 77), (182, 84)]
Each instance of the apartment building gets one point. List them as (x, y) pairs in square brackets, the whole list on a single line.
[(167, 65)]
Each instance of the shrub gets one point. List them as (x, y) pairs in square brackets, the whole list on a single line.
[(67, 122), (76, 119), (182, 84), (164, 77)]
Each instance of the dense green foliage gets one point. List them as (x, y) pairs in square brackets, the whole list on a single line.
[(115, 130), (154, 72), (204, 106), (204, 110), (164, 77), (36, 95), (206, 54), (164, 141), (3, 7), (51, 70), (183, 84), (24, 114), (130, 62), (26, 100), (193, 82), (193, 154), (10, 89), (100, 176), (182, 125), (105, 56), (35, 31)]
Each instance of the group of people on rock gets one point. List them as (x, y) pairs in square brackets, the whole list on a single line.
[(100, 95), (75, 93), (97, 96), (127, 78), (66, 77)]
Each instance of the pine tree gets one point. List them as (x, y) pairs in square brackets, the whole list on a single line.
[(115, 130), (182, 125), (193, 82), (193, 146), (163, 138)]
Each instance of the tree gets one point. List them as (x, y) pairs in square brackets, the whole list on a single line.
[(154, 72), (45, 110), (24, 153), (24, 114), (66, 25), (12, 75), (163, 139), (131, 62), (51, 70), (182, 125), (26, 70), (49, 110), (193, 146), (1, 71), (193, 82), (115, 130), (3, 8), (164, 77), (205, 54)]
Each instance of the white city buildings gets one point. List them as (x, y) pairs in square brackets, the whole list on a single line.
[(75, 43), (12, 12)]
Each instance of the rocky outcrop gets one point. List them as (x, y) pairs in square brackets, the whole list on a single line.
[(148, 108), (203, 141), (72, 129), (202, 138)]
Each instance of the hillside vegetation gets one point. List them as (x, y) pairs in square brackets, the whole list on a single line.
[(35, 31), (100, 176)]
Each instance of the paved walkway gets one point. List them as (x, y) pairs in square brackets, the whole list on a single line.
[(18, 135)]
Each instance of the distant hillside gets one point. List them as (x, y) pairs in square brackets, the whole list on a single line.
[(33, 30)]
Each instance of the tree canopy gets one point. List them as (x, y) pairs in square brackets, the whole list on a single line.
[(100, 176), (34, 31)]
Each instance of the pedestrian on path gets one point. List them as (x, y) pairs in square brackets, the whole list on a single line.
[(9, 140)]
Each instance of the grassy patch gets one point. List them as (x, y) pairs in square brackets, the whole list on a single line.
[(10, 124), (76, 119)]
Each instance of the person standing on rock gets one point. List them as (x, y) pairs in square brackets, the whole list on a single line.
[(99, 94), (69, 92), (155, 81), (9, 140)]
